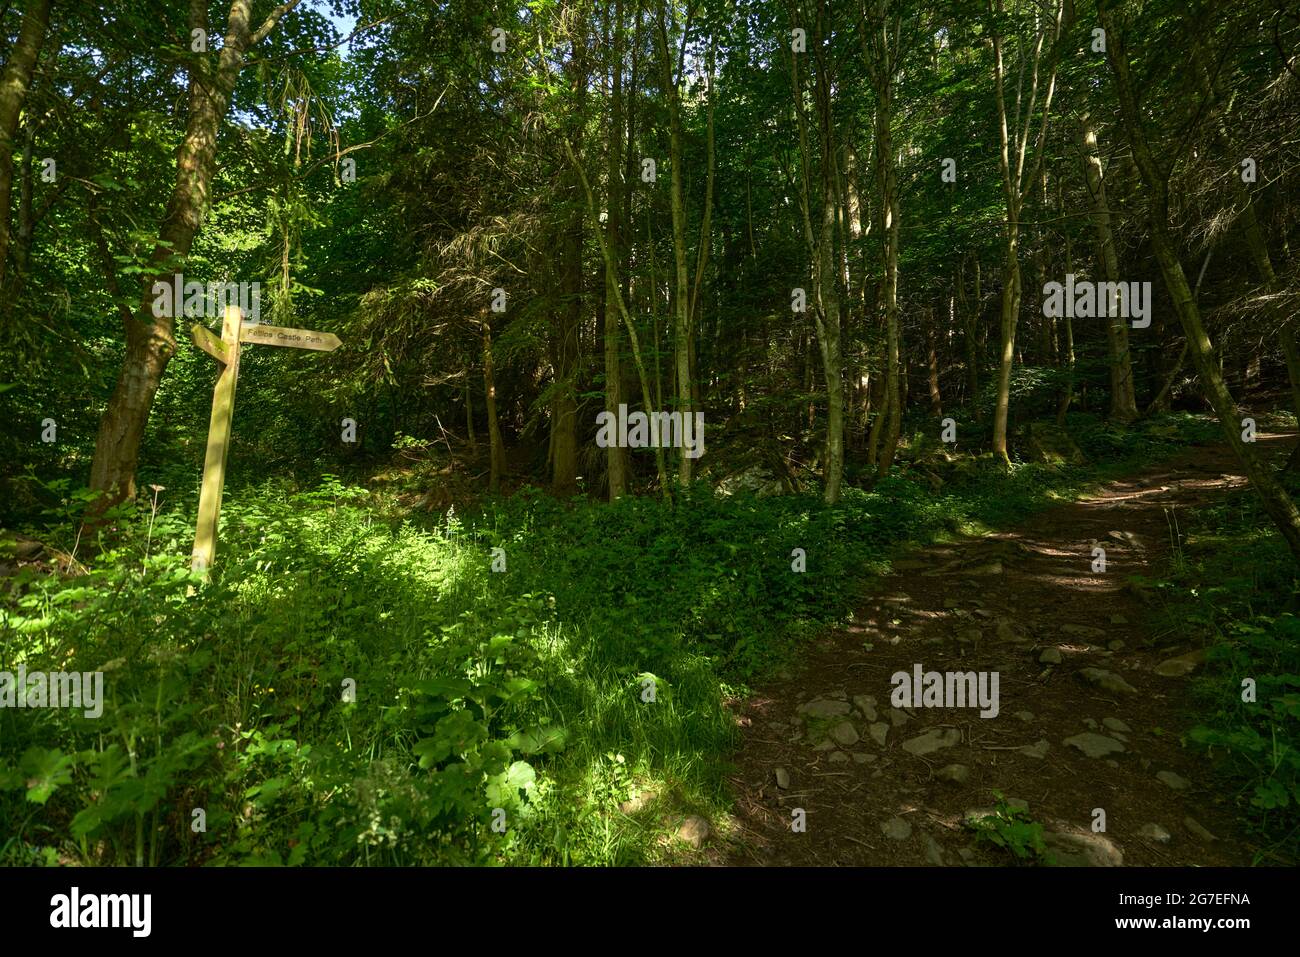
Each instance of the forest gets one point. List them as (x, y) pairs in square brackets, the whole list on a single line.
[(649, 433)]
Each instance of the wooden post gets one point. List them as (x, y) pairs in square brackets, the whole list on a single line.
[(226, 351), (214, 463)]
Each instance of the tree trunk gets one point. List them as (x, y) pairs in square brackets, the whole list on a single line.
[(1014, 150), (889, 202), (149, 339), (1277, 503), (564, 406), (932, 365), (683, 371), (615, 455), (14, 83), (495, 445), (1123, 401), (612, 282)]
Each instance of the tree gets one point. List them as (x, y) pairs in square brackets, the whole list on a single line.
[(1155, 179), (1014, 128), (150, 342)]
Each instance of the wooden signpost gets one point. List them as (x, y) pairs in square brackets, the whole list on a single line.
[(226, 351)]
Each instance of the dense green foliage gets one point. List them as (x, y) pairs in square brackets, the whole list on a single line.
[(826, 227), (474, 690)]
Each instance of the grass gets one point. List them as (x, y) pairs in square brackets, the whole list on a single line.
[(1231, 586), (358, 686)]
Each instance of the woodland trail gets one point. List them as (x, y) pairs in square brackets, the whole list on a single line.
[(886, 786)]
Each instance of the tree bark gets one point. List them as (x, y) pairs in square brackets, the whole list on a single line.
[(1123, 401), (150, 343), (1276, 501), (15, 80), (682, 332), (615, 455), (1014, 147), (495, 445)]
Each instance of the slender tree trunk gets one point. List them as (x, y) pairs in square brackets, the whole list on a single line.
[(821, 248), (615, 455), (1123, 401), (888, 179), (469, 419), (970, 311), (932, 365), (682, 332), (564, 407), (15, 80), (612, 282), (1014, 150), (495, 445)]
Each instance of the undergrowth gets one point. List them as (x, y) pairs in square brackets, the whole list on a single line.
[(358, 685)]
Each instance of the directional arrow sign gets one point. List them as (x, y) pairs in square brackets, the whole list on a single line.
[(284, 336), (209, 343), (226, 351)]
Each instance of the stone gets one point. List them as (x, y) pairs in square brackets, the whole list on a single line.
[(1038, 750), (898, 717), (1095, 745), (1190, 823), (896, 829), (824, 708), (1091, 724), (1115, 724), (975, 815), (783, 779), (1007, 632), (1128, 538), (1107, 681), (879, 733), (637, 802), (1154, 832), (1069, 849), (1182, 665), (970, 636), (1175, 781), (951, 603), (933, 852), (932, 740), (954, 773), (1118, 620), (756, 479), (844, 733), (1050, 656), (694, 831), (988, 568), (862, 757), (1116, 645), (867, 705), (839, 757), (1025, 716)]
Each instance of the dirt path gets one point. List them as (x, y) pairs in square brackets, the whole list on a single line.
[(887, 786)]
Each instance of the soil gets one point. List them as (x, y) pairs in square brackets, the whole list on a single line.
[(1025, 590)]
